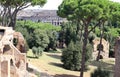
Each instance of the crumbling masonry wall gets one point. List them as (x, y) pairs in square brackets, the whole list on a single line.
[(117, 58), (104, 48), (12, 61)]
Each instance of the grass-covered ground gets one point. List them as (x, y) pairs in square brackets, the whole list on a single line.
[(51, 64)]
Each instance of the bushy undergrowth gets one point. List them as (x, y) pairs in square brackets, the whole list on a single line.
[(37, 51), (71, 56), (100, 73)]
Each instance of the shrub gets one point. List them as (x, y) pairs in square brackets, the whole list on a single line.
[(71, 56), (91, 37), (100, 73), (34, 51), (40, 50), (53, 37), (30, 31), (37, 51), (41, 38)]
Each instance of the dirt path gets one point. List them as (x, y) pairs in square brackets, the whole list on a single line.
[(37, 72)]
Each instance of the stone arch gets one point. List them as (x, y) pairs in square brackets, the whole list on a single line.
[(20, 42), (100, 47), (11, 62), (15, 41), (7, 50), (104, 48), (101, 57)]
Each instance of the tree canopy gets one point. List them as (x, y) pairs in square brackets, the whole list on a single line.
[(86, 12), (10, 9)]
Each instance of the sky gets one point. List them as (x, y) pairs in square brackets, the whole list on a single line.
[(116, 0), (53, 5), (50, 5)]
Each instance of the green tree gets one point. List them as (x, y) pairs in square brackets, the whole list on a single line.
[(27, 28), (115, 13), (100, 73), (53, 38), (85, 11), (41, 38), (71, 56), (68, 33), (34, 51), (10, 8), (37, 51)]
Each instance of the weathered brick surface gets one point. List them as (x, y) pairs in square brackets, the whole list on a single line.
[(117, 58), (105, 52), (12, 60)]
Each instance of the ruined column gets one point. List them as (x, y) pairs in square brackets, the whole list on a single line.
[(117, 58)]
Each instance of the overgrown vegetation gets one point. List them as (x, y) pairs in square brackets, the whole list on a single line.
[(71, 56), (89, 13), (37, 51), (43, 35), (100, 73)]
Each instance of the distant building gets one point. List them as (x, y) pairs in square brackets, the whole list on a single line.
[(45, 16)]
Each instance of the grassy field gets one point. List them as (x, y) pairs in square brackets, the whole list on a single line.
[(51, 64)]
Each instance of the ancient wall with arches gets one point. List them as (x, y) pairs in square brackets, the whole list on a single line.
[(104, 48)]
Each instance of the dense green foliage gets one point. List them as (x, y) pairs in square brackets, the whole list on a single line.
[(100, 73), (39, 34), (86, 12), (37, 51), (53, 40), (68, 33), (33, 25), (40, 38), (71, 56)]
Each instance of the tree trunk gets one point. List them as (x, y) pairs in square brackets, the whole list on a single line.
[(84, 50), (12, 23), (100, 45), (8, 18), (13, 19)]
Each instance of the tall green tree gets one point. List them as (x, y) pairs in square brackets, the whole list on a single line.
[(53, 37), (41, 38), (68, 33), (115, 13), (86, 11), (10, 8)]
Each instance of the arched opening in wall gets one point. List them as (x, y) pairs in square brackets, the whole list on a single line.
[(2, 31), (11, 62), (100, 47), (7, 50), (15, 41), (101, 57), (39, 20)]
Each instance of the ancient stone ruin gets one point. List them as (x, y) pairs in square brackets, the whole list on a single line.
[(104, 48), (12, 61), (117, 58)]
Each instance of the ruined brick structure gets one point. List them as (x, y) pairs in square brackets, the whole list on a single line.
[(12, 61), (117, 58), (104, 48)]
